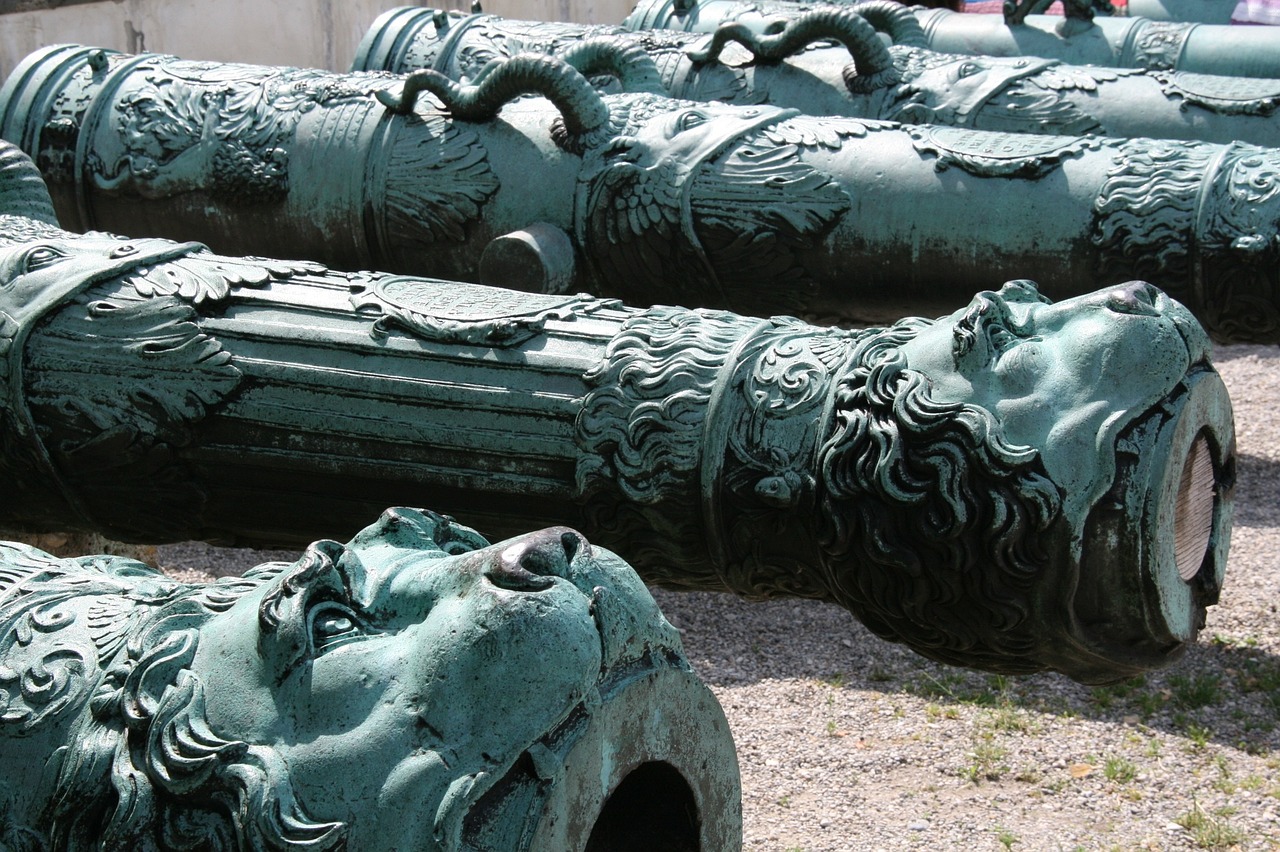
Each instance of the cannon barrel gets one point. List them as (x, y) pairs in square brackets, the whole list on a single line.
[(562, 710), (757, 209), (1018, 94), (1121, 42), (1021, 485)]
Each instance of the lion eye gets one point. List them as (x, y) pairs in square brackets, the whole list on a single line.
[(690, 120), (41, 256), (332, 625)]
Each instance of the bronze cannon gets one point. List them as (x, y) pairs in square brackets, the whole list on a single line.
[(758, 209), (1111, 41), (414, 689), (1019, 485), (830, 62)]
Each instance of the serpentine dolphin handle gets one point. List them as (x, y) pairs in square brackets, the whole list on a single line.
[(579, 104), (873, 66)]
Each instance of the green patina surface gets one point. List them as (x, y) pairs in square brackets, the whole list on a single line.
[(1079, 38), (1019, 485), (415, 689), (654, 200), (800, 67)]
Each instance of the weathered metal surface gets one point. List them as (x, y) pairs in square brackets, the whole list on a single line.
[(1120, 41), (1017, 486), (1194, 11), (757, 209), (414, 689), (800, 67)]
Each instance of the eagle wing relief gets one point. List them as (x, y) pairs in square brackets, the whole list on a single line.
[(760, 206), (634, 235)]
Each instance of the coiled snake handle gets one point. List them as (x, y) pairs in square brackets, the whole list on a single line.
[(580, 106), (894, 20), (872, 66), (629, 62)]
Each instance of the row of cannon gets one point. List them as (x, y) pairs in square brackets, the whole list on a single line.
[(586, 313), (652, 198)]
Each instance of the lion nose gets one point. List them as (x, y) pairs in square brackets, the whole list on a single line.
[(531, 563), (1135, 297)]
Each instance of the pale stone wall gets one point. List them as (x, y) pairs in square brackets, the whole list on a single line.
[(308, 33)]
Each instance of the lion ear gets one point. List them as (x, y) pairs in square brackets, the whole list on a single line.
[(408, 529), (457, 802)]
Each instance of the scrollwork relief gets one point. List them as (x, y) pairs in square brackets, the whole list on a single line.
[(642, 429), (137, 304), (1159, 44), (1162, 199), (1240, 233)]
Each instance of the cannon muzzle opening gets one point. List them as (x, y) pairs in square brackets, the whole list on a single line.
[(1157, 545)]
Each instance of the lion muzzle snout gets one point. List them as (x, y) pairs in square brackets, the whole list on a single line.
[(532, 562)]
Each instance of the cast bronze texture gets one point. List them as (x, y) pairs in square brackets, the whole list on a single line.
[(757, 209), (415, 689), (1019, 485), (1112, 41), (798, 66), (1197, 11)]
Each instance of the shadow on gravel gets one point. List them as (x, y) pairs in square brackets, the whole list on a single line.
[(1219, 692), (1257, 496)]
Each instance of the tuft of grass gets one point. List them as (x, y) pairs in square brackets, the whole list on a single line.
[(1119, 770), (1260, 676), (836, 680), (1009, 718), (1252, 782), (961, 687), (934, 712), (1149, 704), (1209, 831), (1198, 735), (986, 761), (1029, 775), (1104, 697), (1006, 837), (1193, 691), (879, 675)]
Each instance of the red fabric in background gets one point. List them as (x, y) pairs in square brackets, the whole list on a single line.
[(1248, 12), (1257, 12)]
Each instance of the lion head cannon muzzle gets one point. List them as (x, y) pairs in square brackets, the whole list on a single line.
[(1021, 485), (415, 689)]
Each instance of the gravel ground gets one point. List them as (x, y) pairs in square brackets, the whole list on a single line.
[(850, 743)]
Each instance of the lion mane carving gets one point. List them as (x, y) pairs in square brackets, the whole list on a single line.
[(364, 697)]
